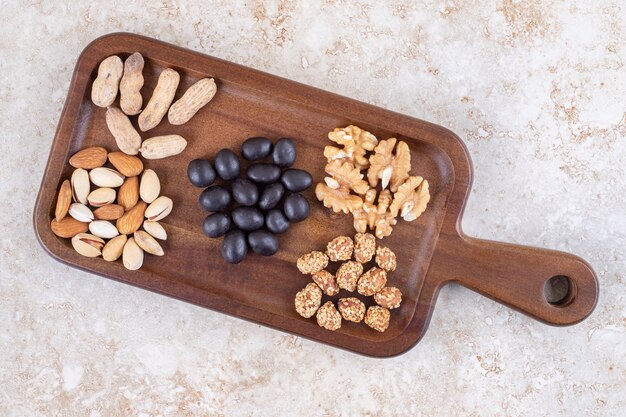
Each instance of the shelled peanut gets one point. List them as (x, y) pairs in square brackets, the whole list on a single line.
[(86, 214), (350, 276)]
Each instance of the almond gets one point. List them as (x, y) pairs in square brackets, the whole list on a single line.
[(132, 219), (106, 177), (68, 227), (128, 165), (150, 187), (159, 208), (109, 212), (64, 200), (132, 255), (148, 243), (101, 197), (113, 248), (89, 158), (128, 194), (88, 245), (80, 185), (162, 146)]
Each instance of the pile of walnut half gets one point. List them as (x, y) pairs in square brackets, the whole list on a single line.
[(349, 277), (385, 162)]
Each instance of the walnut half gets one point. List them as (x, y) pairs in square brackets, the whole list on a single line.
[(392, 169), (411, 199), (355, 141), (335, 191), (376, 217)]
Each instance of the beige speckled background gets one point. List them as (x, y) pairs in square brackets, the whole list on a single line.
[(536, 89)]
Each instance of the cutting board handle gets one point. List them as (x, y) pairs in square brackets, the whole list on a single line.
[(554, 287)]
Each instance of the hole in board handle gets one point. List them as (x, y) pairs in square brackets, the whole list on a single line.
[(559, 291)]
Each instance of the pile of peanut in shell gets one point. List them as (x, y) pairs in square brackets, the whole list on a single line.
[(350, 276), (127, 77)]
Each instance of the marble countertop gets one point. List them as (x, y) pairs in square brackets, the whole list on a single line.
[(536, 90)]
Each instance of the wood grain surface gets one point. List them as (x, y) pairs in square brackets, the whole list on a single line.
[(431, 251)]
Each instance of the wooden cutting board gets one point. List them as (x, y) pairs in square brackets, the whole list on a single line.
[(432, 250)]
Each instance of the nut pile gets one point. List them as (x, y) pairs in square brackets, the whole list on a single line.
[(97, 195), (385, 162), (127, 78), (350, 276), (250, 211)]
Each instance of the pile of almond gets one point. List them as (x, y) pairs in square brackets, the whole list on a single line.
[(119, 205), (350, 276)]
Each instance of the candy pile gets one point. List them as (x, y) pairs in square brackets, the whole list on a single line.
[(249, 211)]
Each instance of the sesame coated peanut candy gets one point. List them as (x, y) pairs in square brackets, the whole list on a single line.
[(353, 255)]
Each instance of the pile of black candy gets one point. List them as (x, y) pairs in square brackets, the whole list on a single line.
[(250, 207)]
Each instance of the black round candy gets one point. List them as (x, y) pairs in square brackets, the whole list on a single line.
[(200, 173), (216, 224), (284, 153), (245, 192), (263, 173), (263, 242), (271, 196), (247, 218), (215, 198), (296, 208), (255, 149), (227, 164), (296, 180), (276, 222), (234, 246)]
